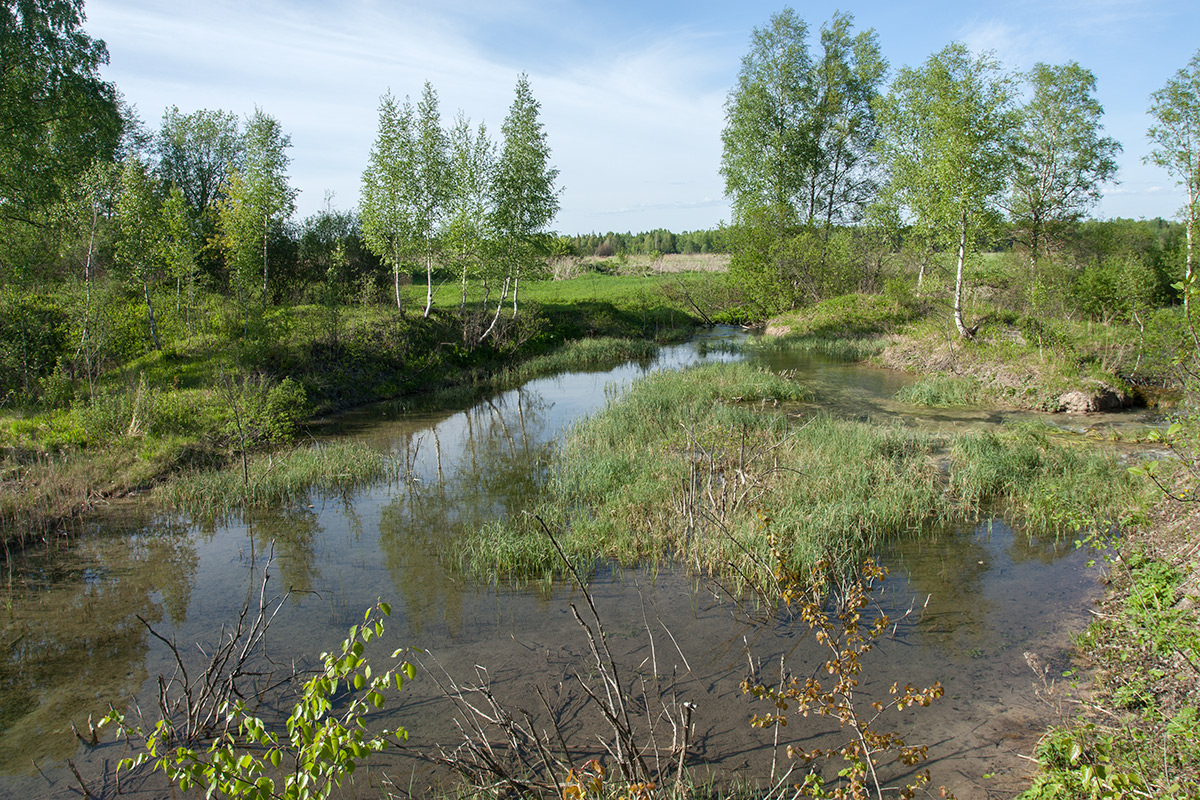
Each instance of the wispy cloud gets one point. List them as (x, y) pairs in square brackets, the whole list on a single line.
[(632, 94)]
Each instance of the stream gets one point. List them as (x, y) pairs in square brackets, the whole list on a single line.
[(983, 603)]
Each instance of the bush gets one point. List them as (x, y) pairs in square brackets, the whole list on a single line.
[(33, 337)]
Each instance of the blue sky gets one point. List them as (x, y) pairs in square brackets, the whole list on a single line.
[(632, 93)]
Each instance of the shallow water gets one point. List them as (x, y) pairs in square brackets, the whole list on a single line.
[(981, 599)]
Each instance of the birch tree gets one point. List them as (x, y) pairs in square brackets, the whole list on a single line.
[(428, 183), (195, 153), (946, 141), (1060, 159), (472, 164), (139, 245), (524, 195), (57, 116), (798, 150), (258, 196), (384, 202), (1176, 139)]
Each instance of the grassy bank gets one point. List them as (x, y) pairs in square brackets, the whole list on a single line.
[(1127, 721), (1013, 360), (688, 467), (249, 386)]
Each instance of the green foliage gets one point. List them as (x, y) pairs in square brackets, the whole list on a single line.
[(33, 337), (195, 153), (257, 196), (797, 130), (321, 747), (1175, 109), (946, 145), (59, 116), (1061, 160), (1114, 288)]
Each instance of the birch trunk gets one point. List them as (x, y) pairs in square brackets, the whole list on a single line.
[(958, 280)]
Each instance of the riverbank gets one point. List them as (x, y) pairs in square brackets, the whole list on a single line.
[(213, 402), (1125, 718), (1011, 360)]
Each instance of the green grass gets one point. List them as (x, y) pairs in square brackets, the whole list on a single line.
[(688, 467), (1044, 484), (585, 355), (856, 348), (276, 478), (942, 391), (847, 316)]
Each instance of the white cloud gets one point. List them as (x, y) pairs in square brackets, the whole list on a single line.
[(633, 125)]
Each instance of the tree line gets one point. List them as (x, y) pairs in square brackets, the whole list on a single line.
[(830, 166), (114, 238)]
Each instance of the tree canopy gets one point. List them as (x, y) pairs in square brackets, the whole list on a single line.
[(56, 115)]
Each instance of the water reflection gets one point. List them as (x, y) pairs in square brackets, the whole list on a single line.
[(491, 466), (74, 643), (72, 638)]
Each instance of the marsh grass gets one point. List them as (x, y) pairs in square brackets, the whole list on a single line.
[(598, 354), (853, 348), (689, 467), (277, 478), (942, 391), (686, 466), (1046, 484)]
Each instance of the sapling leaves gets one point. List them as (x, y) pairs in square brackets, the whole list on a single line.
[(324, 748)]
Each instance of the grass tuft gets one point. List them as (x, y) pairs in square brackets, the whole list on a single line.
[(277, 478)]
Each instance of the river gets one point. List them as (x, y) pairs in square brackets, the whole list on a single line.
[(984, 602)]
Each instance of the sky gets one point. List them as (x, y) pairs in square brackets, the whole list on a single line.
[(632, 94)]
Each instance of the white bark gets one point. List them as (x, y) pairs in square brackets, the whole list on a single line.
[(958, 280)]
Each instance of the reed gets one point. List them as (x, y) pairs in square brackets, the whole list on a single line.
[(602, 353), (276, 478), (1044, 484), (943, 391)]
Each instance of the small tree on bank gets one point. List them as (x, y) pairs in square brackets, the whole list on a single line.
[(523, 192), (386, 215), (947, 133), (1176, 138)]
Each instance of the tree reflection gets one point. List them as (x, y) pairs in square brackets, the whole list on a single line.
[(72, 640), (293, 530), (493, 468)]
